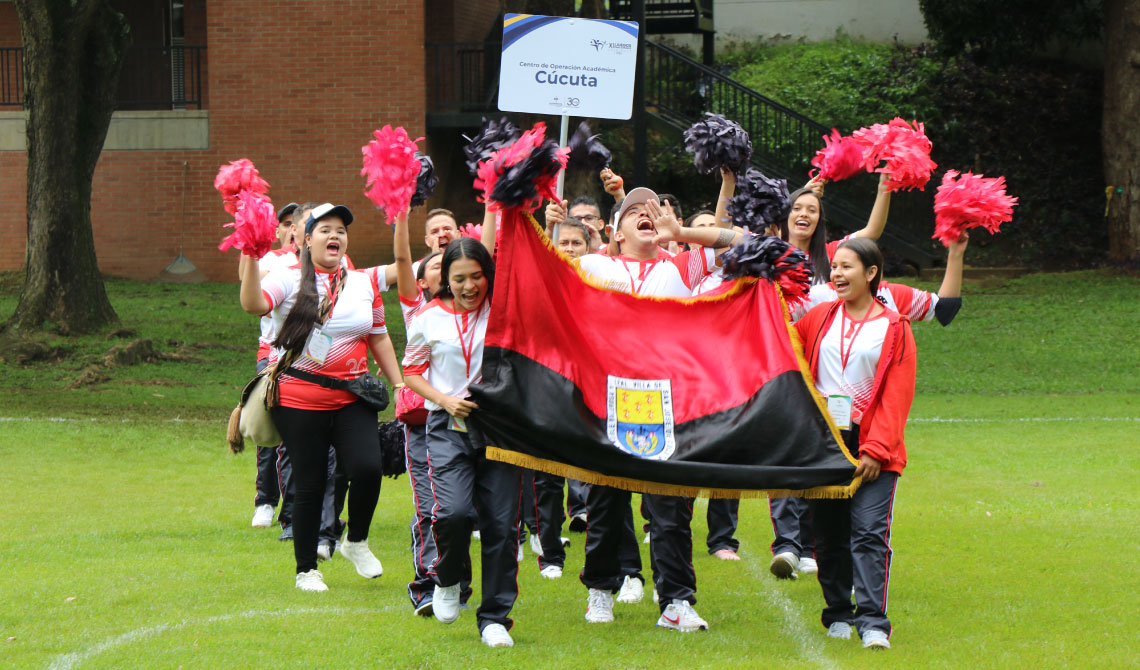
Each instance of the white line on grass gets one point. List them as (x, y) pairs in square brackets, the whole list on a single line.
[(77, 658), (810, 643), (1022, 419)]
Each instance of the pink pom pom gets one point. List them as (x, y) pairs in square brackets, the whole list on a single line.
[(255, 225), (972, 201), (390, 170), (905, 149), (238, 176), (840, 158), (524, 173), (472, 230)]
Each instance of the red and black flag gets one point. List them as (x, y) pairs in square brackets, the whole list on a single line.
[(705, 396)]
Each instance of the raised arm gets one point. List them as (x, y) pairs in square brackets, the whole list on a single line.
[(727, 190), (670, 230), (490, 231), (252, 299), (878, 219), (613, 184), (955, 259), (402, 248)]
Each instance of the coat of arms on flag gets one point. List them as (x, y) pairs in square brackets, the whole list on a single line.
[(639, 417)]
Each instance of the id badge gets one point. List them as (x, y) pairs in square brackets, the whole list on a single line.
[(839, 406), (318, 345), (457, 424)]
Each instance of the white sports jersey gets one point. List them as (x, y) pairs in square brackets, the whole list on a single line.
[(670, 277), (275, 260), (358, 313), (861, 343), (379, 276), (710, 283), (915, 304), (410, 308), (449, 344)]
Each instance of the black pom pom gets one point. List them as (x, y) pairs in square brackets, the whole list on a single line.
[(759, 202), (392, 441), (773, 259), (531, 179), (586, 151), (425, 182), (717, 142), (494, 135)]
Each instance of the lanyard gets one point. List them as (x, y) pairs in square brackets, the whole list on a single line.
[(468, 348), (843, 358), (332, 291), (633, 287)]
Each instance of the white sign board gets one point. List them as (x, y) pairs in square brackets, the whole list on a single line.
[(556, 65)]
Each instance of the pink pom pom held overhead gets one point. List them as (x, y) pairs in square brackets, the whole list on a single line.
[(390, 170), (235, 177), (972, 201), (904, 149), (472, 230), (524, 173), (255, 225), (840, 158)]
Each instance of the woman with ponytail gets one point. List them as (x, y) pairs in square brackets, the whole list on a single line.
[(862, 357), (327, 320)]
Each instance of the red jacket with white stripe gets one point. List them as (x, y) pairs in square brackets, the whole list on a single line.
[(884, 420)]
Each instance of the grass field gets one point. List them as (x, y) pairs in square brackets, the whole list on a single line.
[(125, 538)]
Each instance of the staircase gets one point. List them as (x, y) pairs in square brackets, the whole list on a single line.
[(678, 90)]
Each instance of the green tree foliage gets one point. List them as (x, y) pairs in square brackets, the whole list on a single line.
[(1010, 29)]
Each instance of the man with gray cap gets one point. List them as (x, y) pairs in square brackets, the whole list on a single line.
[(641, 223)]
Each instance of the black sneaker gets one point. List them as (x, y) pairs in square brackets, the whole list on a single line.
[(286, 534), (578, 523)]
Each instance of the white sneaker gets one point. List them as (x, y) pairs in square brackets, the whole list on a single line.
[(519, 557), (646, 540), (784, 565), (551, 572), (324, 551), (311, 581), (680, 615), (565, 541), (875, 639), (262, 516), (357, 553), (445, 603), (476, 535), (535, 545), (840, 630), (632, 590), (496, 635), (656, 598), (600, 606), (808, 566)]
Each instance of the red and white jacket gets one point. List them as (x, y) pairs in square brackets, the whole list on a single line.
[(883, 423)]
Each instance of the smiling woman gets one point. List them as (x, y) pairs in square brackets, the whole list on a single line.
[(327, 319)]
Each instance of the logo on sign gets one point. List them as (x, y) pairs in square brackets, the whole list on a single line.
[(639, 417), (597, 44)]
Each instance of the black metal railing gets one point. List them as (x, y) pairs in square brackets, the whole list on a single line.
[(11, 77), (678, 90), (663, 9), (462, 76), (153, 77)]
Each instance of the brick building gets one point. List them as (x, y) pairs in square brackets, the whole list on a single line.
[(296, 86)]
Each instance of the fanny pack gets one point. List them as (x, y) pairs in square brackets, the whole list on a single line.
[(410, 407), (367, 386)]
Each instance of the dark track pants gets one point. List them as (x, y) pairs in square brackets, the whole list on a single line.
[(853, 547), (550, 517), (671, 548), (352, 431), (722, 516), (528, 519), (576, 493), (792, 526), (274, 481), (423, 542), (612, 552), (468, 488)]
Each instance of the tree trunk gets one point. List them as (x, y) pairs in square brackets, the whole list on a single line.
[(1121, 135), (73, 52)]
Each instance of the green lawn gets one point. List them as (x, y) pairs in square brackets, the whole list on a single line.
[(126, 541)]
